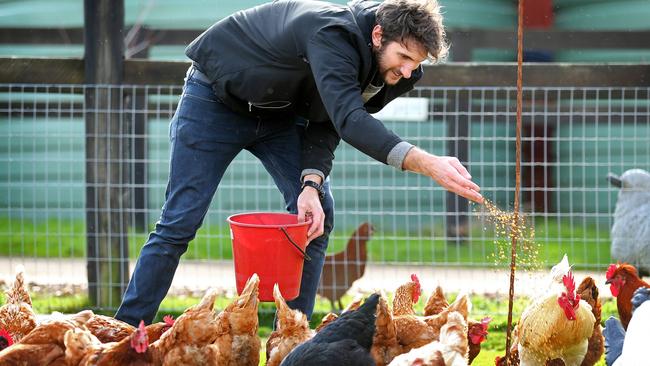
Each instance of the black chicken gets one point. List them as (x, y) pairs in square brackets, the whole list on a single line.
[(345, 341)]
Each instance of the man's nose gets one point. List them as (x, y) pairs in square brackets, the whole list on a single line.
[(405, 70)]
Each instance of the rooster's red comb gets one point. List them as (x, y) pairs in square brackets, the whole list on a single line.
[(610, 271), (414, 278), (169, 320)]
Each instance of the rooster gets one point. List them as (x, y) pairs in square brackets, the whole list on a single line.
[(623, 281), (631, 229), (17, 318), (292, 330), (556, 327), (344, 342), (341, 269), (450, 350)]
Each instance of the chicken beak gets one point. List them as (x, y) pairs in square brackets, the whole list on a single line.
[(614, 180), (608, 282)]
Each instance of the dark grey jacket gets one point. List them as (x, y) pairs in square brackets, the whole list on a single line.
[(310, 58)]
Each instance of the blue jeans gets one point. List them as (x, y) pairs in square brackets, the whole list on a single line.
[(205, 137)]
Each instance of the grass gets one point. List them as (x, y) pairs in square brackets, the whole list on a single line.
[(494, 307), (587, 245)]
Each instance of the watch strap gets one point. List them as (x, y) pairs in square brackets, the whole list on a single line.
[(316, 186)]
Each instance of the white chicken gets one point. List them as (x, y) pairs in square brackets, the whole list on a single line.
[(556, 326)]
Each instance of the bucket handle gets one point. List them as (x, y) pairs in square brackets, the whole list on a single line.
[(304, 254)]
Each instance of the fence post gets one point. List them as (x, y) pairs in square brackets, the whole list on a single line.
[(106, 153), (137, 102), (458, 146)]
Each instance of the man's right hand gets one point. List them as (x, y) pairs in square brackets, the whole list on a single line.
[(310, 207), (445, 170)]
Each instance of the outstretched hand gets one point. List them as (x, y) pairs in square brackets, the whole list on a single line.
[(310, 208), (446, 171)]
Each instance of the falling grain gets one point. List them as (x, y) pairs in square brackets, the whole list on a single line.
[(506, 229)]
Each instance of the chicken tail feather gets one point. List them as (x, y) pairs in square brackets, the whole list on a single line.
[(18, 292)]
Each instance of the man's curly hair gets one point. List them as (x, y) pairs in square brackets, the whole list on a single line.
[(414, 20)]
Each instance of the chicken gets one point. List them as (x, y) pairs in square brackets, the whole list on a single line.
[(327, 319), (412, 331), (588, 292), (436, 302), (44, 345), (385, 345), (341, 269), (237, 342), (477, 332), (17, 316), (292, 330), (108, 329), (623, 281), (450, 350), (406, 296), (556, 327), (415, 331), (198, 337), (631, 230), (344, 342), (85, 348), (330, 317), (196, 327)]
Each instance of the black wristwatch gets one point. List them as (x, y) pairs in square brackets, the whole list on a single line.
[(318, 187)]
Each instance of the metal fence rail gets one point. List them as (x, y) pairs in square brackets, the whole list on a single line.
[(572, 138)]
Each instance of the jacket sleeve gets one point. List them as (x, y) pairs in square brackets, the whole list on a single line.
[(318, 145), (335, 64)]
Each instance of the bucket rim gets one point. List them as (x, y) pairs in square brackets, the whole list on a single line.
[(259, 226)]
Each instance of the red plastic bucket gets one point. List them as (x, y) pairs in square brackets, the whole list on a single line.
[(271, 245)]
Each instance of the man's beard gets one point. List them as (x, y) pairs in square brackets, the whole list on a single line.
[(379, 56)]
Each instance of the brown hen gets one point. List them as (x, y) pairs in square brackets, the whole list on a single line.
[(44, 345), (341, 269), (292, 330), (108, 329), (237, 342), (17, 316), (133, 350), (196, 327), (385, 346), (624, 280)]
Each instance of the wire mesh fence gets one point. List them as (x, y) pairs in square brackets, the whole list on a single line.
[(78, 158)]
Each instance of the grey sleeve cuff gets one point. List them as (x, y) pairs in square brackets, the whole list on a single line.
[(312, 171), (397, 154)]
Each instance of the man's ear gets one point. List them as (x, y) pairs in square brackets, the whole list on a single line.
[(377, 36)]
